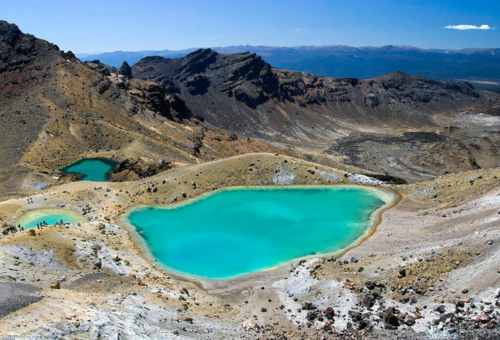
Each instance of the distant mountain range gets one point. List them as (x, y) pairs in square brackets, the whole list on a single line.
[(355, 62)]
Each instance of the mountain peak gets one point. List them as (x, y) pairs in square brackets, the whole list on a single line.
[(151, 59), (9, 33), (199, 60), (200, 52), (18, 49)]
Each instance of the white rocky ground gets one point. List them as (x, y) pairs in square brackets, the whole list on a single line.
[(430, 270)]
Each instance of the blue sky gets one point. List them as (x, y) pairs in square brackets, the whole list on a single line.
[(108, 25)]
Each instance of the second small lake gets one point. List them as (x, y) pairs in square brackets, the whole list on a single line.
[(92, 169), (48, 217)]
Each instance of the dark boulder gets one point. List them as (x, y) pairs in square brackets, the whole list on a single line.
[(391, 318), (308, 306), (441, 309), (312, 315), (368, 300), (329, 313)]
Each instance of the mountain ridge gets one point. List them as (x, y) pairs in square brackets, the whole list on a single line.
[(356, 62), (245, 78), (242, 93)]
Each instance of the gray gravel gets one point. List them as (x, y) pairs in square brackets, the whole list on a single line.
[(14, 296)]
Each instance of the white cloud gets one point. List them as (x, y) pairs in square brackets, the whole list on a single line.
[(469, 27)]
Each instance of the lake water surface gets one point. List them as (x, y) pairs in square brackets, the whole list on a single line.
[(240, 231), (92, 169), (47, 217)]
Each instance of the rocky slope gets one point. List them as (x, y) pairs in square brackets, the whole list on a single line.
[(241, 92), (335, 117), (55, 109)]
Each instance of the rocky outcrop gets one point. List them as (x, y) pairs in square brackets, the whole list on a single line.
[(198, 61), (125, 70), (96, 65), (245, 77), (152, 96), (392, 89), (130, 169)]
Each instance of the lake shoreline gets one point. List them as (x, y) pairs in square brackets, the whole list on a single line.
[(110, 163), (35, 214), (388, 196)]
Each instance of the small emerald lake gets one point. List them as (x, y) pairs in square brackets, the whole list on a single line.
[(239, 231), (48, 217), (92, 169)]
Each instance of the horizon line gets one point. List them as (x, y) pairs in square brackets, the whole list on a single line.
[(294, 47)]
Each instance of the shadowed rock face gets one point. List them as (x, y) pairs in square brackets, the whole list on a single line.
[(25, 63), (245, 76)]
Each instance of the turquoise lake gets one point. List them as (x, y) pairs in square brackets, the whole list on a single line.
[(235, 232), (30, 222), (92, 169)]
